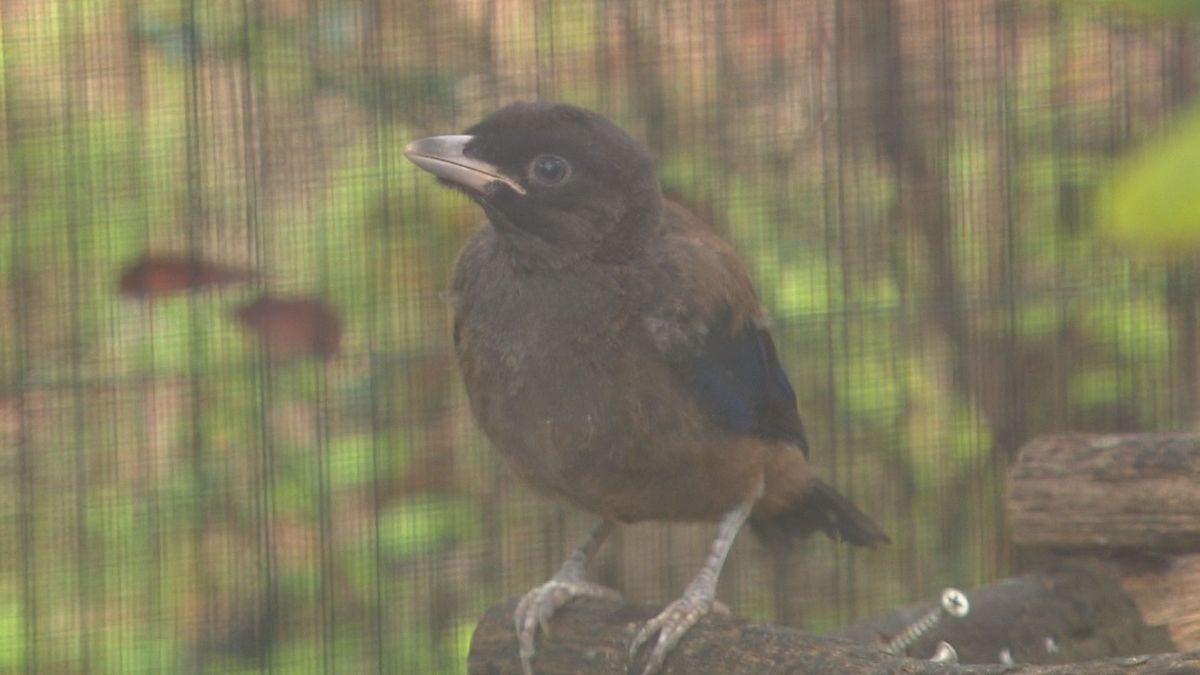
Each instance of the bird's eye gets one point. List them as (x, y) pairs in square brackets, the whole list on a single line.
[(549, 170)]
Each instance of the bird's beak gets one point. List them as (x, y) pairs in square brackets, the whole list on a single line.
[(443, 157)]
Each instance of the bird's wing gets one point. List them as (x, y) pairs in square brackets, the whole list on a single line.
[(710, 327)]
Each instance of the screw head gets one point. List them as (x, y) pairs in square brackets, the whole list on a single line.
[(955, 603)]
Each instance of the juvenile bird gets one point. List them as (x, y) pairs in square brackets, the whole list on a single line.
[(614, 352)]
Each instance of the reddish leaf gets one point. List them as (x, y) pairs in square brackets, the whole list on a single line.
[(293, 327), (168, 273)]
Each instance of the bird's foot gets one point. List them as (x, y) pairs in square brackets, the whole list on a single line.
[(538, 606), (671, 625)]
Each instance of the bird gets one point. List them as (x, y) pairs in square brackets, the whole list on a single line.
[(613, 350)]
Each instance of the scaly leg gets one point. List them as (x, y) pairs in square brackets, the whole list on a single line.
[(538, 605), (698, 599)]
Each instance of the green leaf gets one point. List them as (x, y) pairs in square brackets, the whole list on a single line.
[(1150, 203), (1165, 8), (423, 523), (12, 627)]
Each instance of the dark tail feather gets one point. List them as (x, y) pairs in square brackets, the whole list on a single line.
[(822, 508)]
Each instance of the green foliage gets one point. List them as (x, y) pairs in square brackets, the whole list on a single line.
[(352, 459), (423, 524), (1149, 8), (12, 649), (1150, 203)]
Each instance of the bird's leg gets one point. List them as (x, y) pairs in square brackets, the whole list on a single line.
[(697, 600), (538, 605)]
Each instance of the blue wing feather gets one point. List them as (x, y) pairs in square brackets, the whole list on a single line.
[(738, 379)]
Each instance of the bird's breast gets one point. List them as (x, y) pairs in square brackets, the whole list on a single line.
[(567, 383), (543, 395)]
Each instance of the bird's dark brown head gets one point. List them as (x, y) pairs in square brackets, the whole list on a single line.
[(559, 182)]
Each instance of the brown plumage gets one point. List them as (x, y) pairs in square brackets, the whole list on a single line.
[(614, 352)]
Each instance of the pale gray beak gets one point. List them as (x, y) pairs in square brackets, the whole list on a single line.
[(443, 157)]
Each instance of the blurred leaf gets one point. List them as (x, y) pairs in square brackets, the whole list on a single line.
[(421, 524), (395, 95), (1150, 202), (164, 338), (352, 460), (291, 327), (1095, 387), (11, 648), (1164, 8), (157, 274)]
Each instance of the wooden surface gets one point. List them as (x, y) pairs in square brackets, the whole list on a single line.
[(1069, 613), (591, 637), (1107, 492), (1168, 594)]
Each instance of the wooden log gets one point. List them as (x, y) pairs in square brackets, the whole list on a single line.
[(591, 637), (1168, 594), (1064, 614), (1133, 492)]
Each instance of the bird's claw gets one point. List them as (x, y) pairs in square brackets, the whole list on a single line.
[(538, 606), (670, 625)]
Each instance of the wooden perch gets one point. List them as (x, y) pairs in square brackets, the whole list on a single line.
[(1130, 500), (1107, 492), (1168, 594), (1135, 499), (591, 637), (1065, 614)]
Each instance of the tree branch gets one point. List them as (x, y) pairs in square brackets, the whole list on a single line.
[(591, 637)]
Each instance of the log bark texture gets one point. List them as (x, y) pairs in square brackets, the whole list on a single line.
[(1068, 613), (591, 637), (1168, 594), (1134, 492)]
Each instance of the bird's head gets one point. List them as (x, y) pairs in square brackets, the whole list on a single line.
[(559, 182)]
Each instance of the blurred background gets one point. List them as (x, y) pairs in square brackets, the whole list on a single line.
[(232, 435)]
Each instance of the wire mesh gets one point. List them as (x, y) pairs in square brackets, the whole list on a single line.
[(231, 431)]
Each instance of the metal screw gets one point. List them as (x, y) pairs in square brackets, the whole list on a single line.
[(954, 603), (945, 653)]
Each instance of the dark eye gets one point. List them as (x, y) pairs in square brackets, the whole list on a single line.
[(549, 170)]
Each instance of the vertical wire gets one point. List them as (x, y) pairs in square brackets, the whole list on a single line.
[(381, 158), (319, 212), (255, 160), (615, 548), (1182, 281), (1127, 288), (1064, 154), (117, 559), (1126, 103), (850, 342), (945, 121), (786, 607), (492, 491), (1006, 57), (149, 496), (908, 542), (833, 203), (244, 608), (203, 584), (370, 59), (729, 136), (72, 185), (774, 191), (24, 478)]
